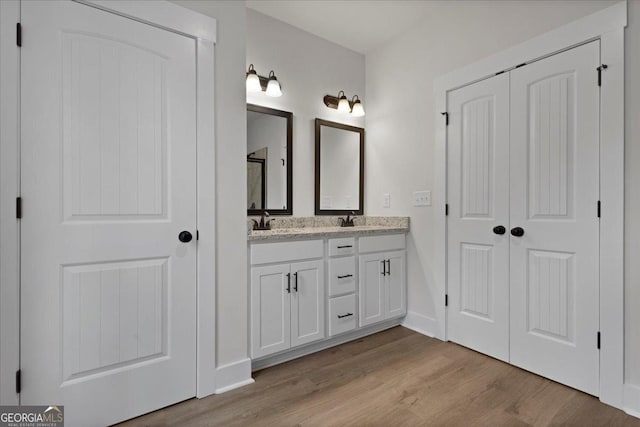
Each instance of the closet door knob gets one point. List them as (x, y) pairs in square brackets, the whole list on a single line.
[(517, 231), (185, 237), (499, 229)]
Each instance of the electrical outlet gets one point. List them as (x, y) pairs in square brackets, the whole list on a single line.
[(422, 198), (386, 200)]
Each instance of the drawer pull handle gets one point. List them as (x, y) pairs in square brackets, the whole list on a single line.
[(340, 316), (288, 283), (345, 276), (345, 246)]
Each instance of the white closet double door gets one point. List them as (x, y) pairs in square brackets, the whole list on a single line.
[(523, 190)]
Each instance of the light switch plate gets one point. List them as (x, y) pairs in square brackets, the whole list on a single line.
[(386, 200), (422, 198)]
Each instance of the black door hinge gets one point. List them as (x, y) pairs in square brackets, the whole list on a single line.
[(19, 34), (446, 300), (18, 381), (18, 207), (598, 340), (446, 118), (600, 68), (598, 208), (446, 209)]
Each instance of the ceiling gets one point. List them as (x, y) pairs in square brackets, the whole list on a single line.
[(361, 26)]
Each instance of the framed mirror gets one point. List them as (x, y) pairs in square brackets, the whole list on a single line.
[(339, 168), (269, 161)]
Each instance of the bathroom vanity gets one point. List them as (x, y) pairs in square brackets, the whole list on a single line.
[(314, 284)]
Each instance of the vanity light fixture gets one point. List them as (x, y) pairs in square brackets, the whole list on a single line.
[(342, 104), (257, 83)]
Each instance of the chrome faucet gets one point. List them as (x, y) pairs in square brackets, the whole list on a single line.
[(347, 222), (262, 225)]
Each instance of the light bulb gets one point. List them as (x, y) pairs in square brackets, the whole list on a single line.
[(253, 81), (358, 109), (343, 103), (273, 87)]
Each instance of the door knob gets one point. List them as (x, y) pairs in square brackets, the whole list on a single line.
[(517, 231), (499, 229), (185, 237)]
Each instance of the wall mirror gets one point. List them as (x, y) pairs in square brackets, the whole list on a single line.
[(339, 168), (269, 158)]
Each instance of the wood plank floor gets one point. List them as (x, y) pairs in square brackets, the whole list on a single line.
[(394, 378)]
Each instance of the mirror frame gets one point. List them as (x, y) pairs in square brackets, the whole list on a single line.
[(360, 210), (289, 116)]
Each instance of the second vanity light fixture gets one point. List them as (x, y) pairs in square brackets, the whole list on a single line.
[(342, 104), (268, 85)]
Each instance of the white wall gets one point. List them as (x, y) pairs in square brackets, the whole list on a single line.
[(400, 114), (308, 68), (231, 179)]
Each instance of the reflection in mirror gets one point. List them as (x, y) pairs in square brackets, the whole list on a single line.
[(256, 180), (339, 168), (268, 161)]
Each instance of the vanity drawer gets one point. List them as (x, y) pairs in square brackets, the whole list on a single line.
[(342, 275), (264, 253), (342, 314), (344, 246), (387, 242)]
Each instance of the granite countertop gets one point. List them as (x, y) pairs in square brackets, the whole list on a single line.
[(304, 227)]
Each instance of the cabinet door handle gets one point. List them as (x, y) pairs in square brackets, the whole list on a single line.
[(341, 316), (288, 283), (295, 283), (384, 268), (345, 276), (389, 267), (345, 246)]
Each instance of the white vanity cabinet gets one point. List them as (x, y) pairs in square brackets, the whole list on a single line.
[(382, 286), (287, 299), (327, 289)]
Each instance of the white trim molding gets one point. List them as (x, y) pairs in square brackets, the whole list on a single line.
[(632, 400), (164, 15), (9, 190), (291, 354), (607, 26), (419, 323), (233, 375)]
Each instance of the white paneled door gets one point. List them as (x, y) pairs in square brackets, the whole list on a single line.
[(554, 195), (108, 185), (523, 190), (478, 249)]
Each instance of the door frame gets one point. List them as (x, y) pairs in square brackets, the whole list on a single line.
[(607, 26), (169, 17)]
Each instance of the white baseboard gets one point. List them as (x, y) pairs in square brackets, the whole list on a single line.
[(632, 400), (419, 323), (233, 375), (288, 355)]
